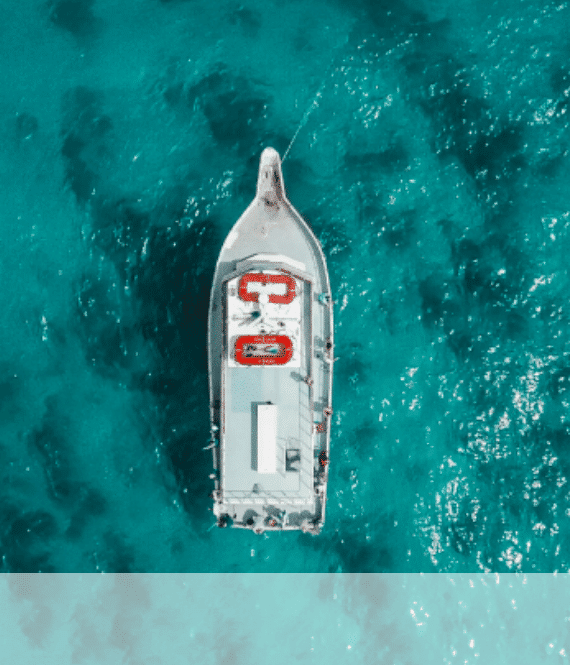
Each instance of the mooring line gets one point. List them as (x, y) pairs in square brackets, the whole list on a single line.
[(314, 104)]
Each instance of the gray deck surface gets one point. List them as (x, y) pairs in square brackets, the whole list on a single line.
[(247, 387), (244, 389)]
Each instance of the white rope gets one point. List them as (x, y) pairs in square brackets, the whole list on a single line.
[(308, 112)]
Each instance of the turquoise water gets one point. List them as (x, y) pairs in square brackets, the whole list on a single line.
[(431, 160), (448, 619)]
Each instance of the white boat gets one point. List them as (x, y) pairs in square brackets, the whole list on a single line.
[(270, 363)]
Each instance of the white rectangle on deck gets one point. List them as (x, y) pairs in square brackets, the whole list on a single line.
[(266, 438)]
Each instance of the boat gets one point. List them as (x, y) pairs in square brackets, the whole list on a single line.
[(270, 364)]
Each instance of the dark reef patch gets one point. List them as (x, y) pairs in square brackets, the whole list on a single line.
[(25, 126), (172, 284), (364, 166), (463, 345), (85, 129), (79, 176), (120, 226), (560, 441), (488, 147), (498, 277), (237, 109), (354, 554), (394, 308), (173, 203), (560, 79), (496, 153), (366, 558), (50, 441), (233, 107), (461, 535), (32, 528), (388, 19), (104, 337), (352, 370), (245, 19), (483, 299), (75, 16), (394, 229), (91, 504), (331, 234), (370, 213), (414, 472), (10, 390), (446, 95), (516, 324), (442, 303), (549, 165), (364, 438), (559, 381), (116, 556), (192, 465), (26, 539), (173, 93), (303, 40), (169, 270), (476, 267)]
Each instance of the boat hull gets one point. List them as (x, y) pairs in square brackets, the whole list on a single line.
[(270, 361)]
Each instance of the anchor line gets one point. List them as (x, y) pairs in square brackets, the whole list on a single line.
[(308, 112)]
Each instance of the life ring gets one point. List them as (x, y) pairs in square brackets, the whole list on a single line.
[(328, 412)]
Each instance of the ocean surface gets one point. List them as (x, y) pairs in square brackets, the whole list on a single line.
[(317, 619), (431, 160)]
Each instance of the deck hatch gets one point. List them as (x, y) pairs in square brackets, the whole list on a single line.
[(266, 438)]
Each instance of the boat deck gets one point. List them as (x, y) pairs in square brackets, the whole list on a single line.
[(291, 487), (270, 247), (248, 387)]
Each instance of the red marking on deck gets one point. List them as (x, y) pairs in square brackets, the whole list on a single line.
[(253, 296), (258, 346)]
